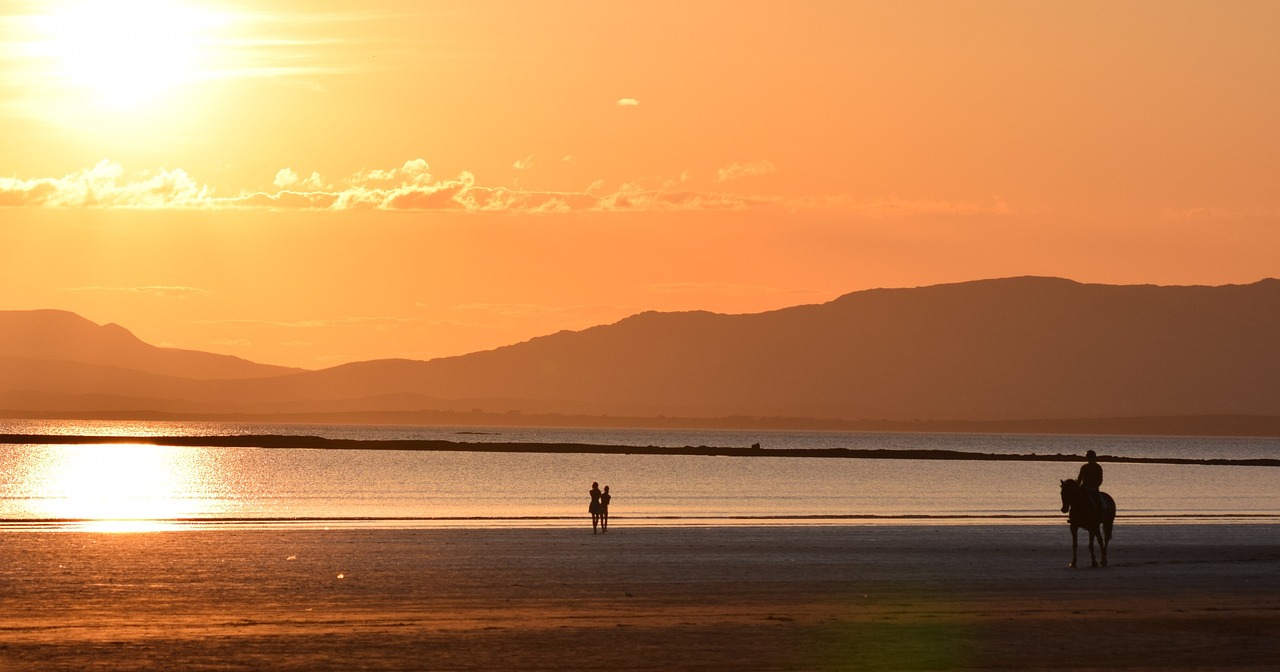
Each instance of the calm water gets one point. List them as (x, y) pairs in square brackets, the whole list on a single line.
[(349, 487)]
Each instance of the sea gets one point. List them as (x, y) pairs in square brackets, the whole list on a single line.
[(135, 486)]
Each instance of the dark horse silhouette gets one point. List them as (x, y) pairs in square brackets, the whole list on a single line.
[(1095, 512)]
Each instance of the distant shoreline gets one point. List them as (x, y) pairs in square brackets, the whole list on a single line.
[(1224, 425), (277, 441), (196, 523)]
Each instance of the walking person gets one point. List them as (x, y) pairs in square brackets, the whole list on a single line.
[(595, 507), (604, 509)]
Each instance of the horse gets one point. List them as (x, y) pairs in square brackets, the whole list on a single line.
[(1083, 511)]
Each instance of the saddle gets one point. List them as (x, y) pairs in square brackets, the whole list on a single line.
[(1095, 497)]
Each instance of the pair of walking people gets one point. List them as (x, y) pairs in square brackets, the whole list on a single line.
[(599, 508)]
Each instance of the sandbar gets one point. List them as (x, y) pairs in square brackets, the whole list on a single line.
[(278, 441)]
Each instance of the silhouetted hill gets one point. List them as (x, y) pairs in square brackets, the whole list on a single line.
[(1006, 350), (996, 349), (61, 336)]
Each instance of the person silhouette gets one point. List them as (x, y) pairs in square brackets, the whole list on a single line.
[(595, 507), (604, 509), (1090, 477)]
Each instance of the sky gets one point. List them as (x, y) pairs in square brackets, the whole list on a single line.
[(307, 184)]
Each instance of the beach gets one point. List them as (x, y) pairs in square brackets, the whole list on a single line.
[(753, 598)]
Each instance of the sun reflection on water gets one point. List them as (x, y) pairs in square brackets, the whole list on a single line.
[(119, 487)]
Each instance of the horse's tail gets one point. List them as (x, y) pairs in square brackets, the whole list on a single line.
[(1108, 516)]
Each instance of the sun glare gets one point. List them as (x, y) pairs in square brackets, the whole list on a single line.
[(124, 53), (119, 487)]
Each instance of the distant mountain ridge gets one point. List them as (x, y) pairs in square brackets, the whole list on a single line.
[(999, 349), (59, 335), (994, 350)]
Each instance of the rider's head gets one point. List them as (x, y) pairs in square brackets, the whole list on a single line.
[(1091, 455)]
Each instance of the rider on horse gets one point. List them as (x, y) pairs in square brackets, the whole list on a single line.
[(1090, 477)]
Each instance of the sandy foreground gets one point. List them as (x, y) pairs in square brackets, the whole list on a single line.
[(745, 598)]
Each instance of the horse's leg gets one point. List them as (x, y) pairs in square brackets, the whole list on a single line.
[(1093, 532), (1102, 541), (1074, 544)]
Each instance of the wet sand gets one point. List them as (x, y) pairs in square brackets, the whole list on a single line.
[(746, 598)]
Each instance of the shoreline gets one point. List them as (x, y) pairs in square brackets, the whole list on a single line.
[(752, 598), (376, 523)]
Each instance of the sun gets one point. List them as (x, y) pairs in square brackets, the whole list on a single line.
[(124, 53)]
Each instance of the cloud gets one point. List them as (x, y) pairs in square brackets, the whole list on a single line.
[(412, 187), (421, 196), (730, 289), (376, 323), (106, 186), (523, 164), (165, 291), (632, 198), (414, 171), (283, 200), (628, 102), (520, 309), (736, 171), (285, 177), (288, 179)]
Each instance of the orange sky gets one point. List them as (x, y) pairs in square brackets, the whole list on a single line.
[(299, 183)]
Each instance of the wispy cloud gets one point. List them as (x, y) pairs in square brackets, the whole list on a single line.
[(727, 289), (375, 323), (530, 309), (632, 198), (628, 102), (412, 187), (736, 171), (165, 291)]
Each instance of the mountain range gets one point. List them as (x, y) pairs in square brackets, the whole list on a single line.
[(990, 351)]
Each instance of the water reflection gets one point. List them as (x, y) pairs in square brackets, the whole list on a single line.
[(116, 486), (131, 487)]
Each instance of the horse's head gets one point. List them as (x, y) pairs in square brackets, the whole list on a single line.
[(1068, 488)]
